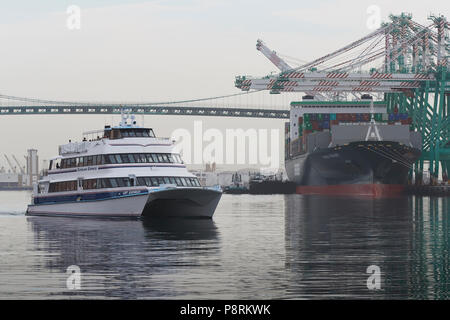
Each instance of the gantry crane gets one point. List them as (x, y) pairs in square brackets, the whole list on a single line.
[(403, 60)]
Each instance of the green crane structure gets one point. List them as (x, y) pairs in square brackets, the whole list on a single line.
[(409, 70)]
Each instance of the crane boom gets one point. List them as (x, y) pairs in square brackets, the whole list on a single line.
[(272, 56), (280, 64), (18, 164), (10, 164)]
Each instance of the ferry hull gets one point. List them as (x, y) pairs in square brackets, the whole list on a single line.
[(131, 206), (190, 203), (170, 202), (359, 168)]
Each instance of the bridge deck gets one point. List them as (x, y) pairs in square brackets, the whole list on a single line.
[(150, 110)]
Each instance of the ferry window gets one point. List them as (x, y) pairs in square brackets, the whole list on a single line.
[(139, 158), (149, 158), (118, 158), (115, 134), (72, 185), (155, 158), (188, 181), (166, 180), (80, 162), (160, 180), (50, 165), (112, 158), (160, 158), (123, 158), (106, 183), (58, 163), (139, 133), (142, 181), (132, 133), (151, 133), (172, 180), (123, 182), (165, 158), (145, 133), (63, 163), (133, 159), (90, 184), (124, 133), (113, 183), (154, 181), (178, 180), (90, 160)]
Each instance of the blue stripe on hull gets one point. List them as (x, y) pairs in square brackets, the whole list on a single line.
[(78, 197)]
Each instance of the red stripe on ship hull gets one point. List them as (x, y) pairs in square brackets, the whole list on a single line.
[(375, 190)]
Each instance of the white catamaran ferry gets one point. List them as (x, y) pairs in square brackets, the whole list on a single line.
[(122, 171)]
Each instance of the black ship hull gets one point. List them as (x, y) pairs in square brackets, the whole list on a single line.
[(361, 167)]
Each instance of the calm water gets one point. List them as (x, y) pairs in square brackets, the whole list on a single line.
[(256, 247)]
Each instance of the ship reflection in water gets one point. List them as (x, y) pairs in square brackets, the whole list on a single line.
[(332, 243), (261, 247), (125, 258)]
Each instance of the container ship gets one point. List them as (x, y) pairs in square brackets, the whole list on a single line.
[(349, 147)]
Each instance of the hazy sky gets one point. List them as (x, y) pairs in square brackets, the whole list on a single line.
[(160, 50)]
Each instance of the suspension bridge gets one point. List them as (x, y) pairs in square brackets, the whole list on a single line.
[(250, 105)]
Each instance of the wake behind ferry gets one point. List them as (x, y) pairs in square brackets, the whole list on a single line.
[(123, 171)]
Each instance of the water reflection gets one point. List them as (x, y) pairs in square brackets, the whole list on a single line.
[(331, 243), (257, 247), (124, 258)]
